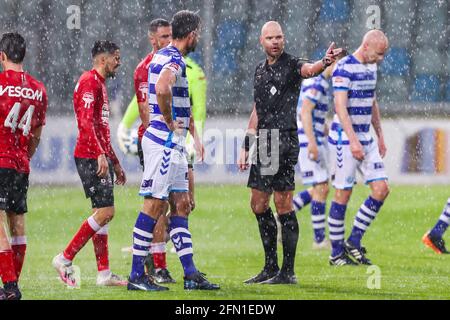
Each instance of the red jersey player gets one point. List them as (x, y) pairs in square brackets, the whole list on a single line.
[(23, 104), (96, 164)]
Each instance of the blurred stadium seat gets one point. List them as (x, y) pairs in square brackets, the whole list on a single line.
[(396, 62), (426, 88)]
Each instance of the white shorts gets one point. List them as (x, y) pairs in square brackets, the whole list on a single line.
[(314, 172), (166, 171), (344, 165)]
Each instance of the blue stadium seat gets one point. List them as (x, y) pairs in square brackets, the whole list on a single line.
[(447, 91), (426, 88), (231, 34), (396, 62), (334, 11)]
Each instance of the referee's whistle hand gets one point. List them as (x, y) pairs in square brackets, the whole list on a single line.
[(243, 160)]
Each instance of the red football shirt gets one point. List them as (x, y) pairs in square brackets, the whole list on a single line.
[(23, 104), (91, 105), (141, 84)]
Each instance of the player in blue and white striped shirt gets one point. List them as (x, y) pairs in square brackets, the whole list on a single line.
[(353, 148), (313, 156), (165, 163)]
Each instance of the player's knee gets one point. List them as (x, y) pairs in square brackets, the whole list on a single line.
[(258, 207), (106, 214), (381, 192)]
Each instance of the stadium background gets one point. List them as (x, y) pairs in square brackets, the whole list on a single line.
[(413, 88)]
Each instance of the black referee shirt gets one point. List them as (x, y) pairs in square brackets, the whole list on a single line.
[(276, 89)]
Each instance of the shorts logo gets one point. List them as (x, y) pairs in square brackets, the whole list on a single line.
[(92, 189), (378, 165), (147, 183), (3, 200), (308, 174), (350, 180), (273, 90)]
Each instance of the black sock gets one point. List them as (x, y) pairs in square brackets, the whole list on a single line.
[(268, 231), (289, 232)]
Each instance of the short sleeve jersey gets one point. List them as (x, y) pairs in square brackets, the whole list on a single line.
[(276, 89)]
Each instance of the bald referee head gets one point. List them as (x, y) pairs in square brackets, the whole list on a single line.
[(272, 39), (373, 47)]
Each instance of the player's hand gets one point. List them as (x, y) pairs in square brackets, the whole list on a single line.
[(382, 147), (102, 166), (199, 151), (243, 160), (357, 150), (121, 178), (176, 126), (331, 54), (313, 151)]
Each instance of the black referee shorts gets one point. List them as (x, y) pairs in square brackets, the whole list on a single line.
[(99, 190), (13, 191), (284, 178)]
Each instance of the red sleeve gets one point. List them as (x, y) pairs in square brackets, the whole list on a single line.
[(141, 84), (86, 99), (112, 156), (41, 118)]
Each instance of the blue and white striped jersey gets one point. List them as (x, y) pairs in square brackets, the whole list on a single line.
[(359, 80), (168, 58), (314, 89)]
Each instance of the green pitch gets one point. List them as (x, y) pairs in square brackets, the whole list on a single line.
[(228, 249)]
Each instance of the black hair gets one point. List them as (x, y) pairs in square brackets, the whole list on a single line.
[(104, 46), (183, 23), (155, 24), (14, 46)]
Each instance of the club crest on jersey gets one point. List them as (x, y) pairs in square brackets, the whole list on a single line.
[(88, 98)]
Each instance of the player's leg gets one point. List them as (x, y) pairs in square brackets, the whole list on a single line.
[(7, 269), (344, 171), (16, 219), (18, 240), (179, 226), (155, 190), (372, 168), (100, 192), (433, 238), (158, 250), (318, 215)]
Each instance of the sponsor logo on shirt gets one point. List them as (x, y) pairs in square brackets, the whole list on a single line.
[(143, 88), (19, 92)]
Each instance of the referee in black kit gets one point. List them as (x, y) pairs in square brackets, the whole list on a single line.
[(273, 121)]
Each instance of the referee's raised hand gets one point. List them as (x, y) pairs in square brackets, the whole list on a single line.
[(331, 54)]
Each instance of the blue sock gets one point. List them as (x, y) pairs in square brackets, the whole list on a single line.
[(366, 214), (443, 222), (181, 239), (302, 199), (318, 220), (336, 219), (142, 237)]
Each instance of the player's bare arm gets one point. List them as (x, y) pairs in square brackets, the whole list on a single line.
[(144, 113), (307, 122), (250, 134), (163, 89), (341, 101), (199, 148), (376, 123), (309, 70), (34, 141)]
